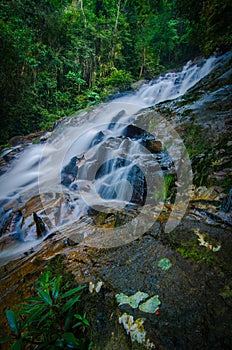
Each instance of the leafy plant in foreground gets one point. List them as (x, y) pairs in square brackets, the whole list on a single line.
[(50, 319)]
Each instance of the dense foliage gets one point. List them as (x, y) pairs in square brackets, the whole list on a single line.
[(59, 56), (50, 319)]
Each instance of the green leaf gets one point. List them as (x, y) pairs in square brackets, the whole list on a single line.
[(56, 287), (77, 324), (45, 316), (79, 317), (90, 345), (4, 340), (71, 340), (70, 303), (11, 317), (17, 345), (34, 316), (30, 308), (86, 322), (59, 343), (68, 320), (83, 321), (45, 296), (72, 291), (34, 300)]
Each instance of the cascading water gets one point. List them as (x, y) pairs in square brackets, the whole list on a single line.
[(93, 160)]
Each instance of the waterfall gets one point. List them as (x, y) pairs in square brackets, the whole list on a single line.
[(111, 163), (173, 84)]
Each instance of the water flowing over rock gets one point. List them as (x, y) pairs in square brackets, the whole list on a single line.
[(114, 192)]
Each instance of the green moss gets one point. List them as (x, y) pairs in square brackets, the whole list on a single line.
[(195, 140), (168, 190), (226, 293), (187, 244), (191, 253)]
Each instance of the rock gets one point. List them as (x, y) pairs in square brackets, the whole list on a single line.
[(40, 226), (10, 153), (203, 193), (97, 139), (17, 140), (138, 183), (69, 172), (69, 242), (46, 136), (138, 84), (227, 204), (154, 146), (116, 119), (147, 139), (134, 132)]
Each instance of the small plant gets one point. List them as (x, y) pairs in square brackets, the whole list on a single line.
[(50, 319)]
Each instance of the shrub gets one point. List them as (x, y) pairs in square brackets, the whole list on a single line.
[(119, 78), (50, 319)]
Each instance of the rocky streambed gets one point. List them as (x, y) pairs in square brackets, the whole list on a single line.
[(187, 271)]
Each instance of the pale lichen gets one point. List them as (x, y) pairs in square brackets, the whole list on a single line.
[(165, 264), (204, 243), (132, 300), (151, 305), (96, 288), (136, 330)]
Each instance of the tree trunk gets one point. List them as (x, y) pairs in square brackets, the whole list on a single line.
[(83, 12), (143, 63)]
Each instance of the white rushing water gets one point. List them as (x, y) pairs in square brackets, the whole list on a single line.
[(38, 169)]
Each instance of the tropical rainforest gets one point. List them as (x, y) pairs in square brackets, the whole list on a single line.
[(60, 56)]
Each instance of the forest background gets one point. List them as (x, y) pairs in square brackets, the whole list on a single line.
[(60, 56)]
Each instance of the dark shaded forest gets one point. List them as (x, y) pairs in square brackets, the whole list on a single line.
[(60, 56)]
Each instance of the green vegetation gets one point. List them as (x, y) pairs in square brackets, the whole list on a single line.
[(60, 56), (195, 140), (196, 254), (51, 319), (190, 246), (166, 191), (169, 188)]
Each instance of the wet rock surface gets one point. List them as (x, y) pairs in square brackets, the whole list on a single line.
[(195, 309), (203, 119), (196, 290)]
